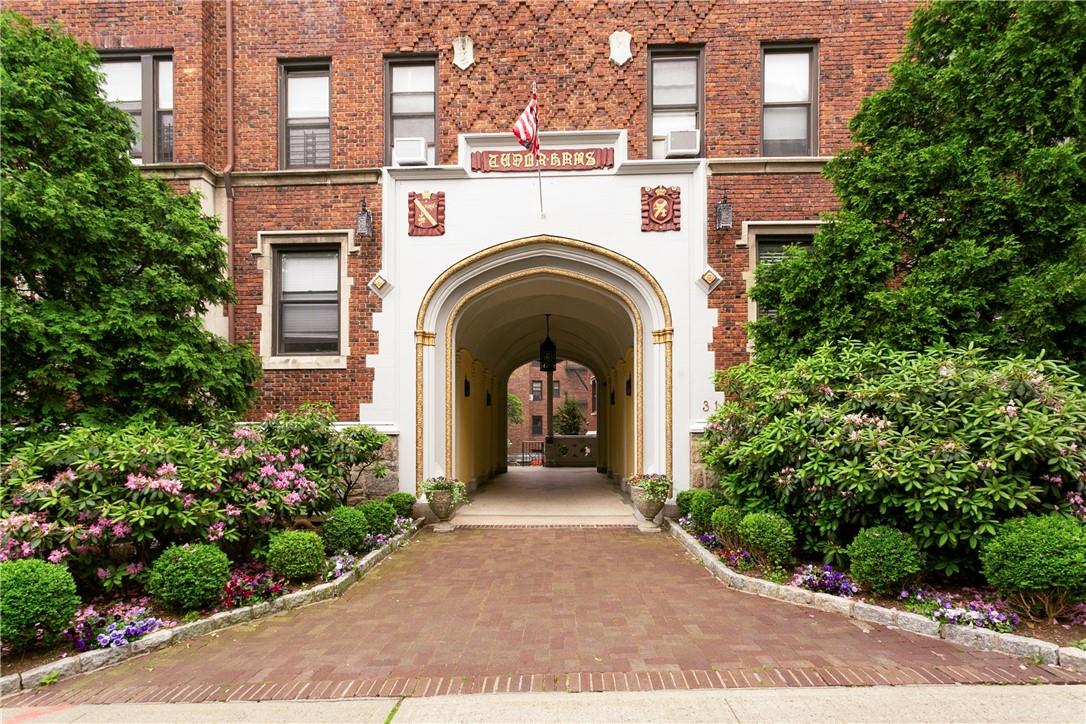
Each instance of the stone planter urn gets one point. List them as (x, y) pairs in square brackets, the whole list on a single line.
[(441, 502), (646, 506)]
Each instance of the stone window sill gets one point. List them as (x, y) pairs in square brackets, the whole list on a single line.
[(305, 362)]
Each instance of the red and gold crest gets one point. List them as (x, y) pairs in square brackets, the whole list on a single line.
[(426, 213), (661, 208)]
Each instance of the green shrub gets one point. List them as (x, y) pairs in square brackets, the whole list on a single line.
[(1038, 563), (768, 537), (35, 595), (381, 517), (702, 504), (683, 500), (296, 554), (884, 559), (943, 445), (403, 503), (725, 522), (189, 577), (344, 529)]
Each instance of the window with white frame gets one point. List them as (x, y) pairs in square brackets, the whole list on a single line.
[(411, 103), (307, 300), (141, 85), (675, 97), (536, 391), (789, 100)]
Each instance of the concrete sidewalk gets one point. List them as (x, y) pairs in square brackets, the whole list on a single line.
[(1047, 704)]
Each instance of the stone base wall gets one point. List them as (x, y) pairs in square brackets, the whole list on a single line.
[(374, 487), (700, 475)]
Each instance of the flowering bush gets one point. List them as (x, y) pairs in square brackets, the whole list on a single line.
[(117, 625), (105, 501), (825, 579), (344, 561), (942, 445), (952, 608), (249, 584)]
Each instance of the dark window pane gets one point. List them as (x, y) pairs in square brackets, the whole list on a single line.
[(164, 147), (537, 424), (771, 251)]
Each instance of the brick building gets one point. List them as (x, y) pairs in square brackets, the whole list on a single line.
[(406, 294), (528, 384)]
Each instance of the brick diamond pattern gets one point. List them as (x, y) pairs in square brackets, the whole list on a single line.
[(537, 609)]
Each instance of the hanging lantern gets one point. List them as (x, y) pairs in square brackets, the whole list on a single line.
[(723, 213), (548, 351), (364, 221)]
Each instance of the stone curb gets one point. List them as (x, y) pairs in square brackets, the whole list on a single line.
[(101, 658), (974, 638)]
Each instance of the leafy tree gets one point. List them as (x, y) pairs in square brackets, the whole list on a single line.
[(963, 206), (106, 272), (569, 419), (514, 409)]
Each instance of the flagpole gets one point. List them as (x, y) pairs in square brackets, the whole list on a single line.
[(538, 168)]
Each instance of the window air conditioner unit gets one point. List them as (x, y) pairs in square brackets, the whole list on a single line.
[(409, 152), (683, 144)]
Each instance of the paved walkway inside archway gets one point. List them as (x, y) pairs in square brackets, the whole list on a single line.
[(537, 609), (547, 496)]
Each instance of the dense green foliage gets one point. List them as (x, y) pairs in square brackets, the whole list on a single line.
[(883, 559), (343, 458), (91, 494), (344, 529), (35, 595), (381, 517), (189, 577), (963, 204), (1038, 563), (942, 445), (768, 537), (569, 419), (682, 501), (296, 554), (725, 524), (106, 273), (703, 502), (514, 409), (403, 503)]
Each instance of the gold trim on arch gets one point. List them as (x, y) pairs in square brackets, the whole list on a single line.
[(490, 251), (639, 355), (665, 337)]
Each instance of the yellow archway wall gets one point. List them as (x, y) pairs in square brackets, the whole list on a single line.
[(476, 421), (619, 426)]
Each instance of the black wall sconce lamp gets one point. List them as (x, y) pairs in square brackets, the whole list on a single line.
[(724, 213), (467, 387), (629, 387), (364, 221)]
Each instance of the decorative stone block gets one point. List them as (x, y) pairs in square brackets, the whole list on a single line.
[(232, 617), (661, 208), (620, 47), (10, 684), (323, 592), (1072, 658), (974, 638), (831, 604), (873, 614), (916, 623), (794, 594), (262, 609), (62, 668), (292, 600), (191, 630), (100, 658), (152, 641), (1027, 647)]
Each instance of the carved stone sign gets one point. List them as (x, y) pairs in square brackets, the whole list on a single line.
[(426, 214), (661, 208), (620, 47), (566, 159)]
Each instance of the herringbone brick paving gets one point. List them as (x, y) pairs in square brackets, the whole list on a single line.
[(537, 609)]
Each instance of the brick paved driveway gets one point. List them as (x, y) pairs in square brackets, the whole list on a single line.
[(504, 609)]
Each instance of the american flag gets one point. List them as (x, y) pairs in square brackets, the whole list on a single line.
[(526, 129)]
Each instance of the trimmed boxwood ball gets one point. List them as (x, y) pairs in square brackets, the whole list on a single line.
[(190, 576), (402, 503), (345, 529), (381, 517), (725, 522), (1038, 563), (683, 500), (35, 594), (768, 537), (883, 559), (702, 504), (296, 554)]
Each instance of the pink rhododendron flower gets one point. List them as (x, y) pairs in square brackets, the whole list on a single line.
[(216, 531), (58, 555), (103, 573)]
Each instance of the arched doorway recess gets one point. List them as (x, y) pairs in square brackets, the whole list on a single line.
[(483, 316)]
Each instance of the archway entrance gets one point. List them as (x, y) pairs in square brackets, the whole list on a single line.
[(484, 317)]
